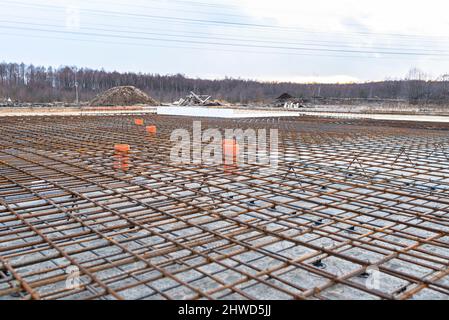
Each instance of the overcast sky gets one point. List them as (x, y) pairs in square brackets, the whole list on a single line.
[(282, 40)]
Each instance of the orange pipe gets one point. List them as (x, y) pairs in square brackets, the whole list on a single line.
[(122, 147), (121, 157), (151, 129), (230, 147), (230, 152)]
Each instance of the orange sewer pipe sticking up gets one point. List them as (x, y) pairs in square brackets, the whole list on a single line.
[(230, 152), (151, 129), (121, 157), (230, 147), (122, 147), (138, 122)]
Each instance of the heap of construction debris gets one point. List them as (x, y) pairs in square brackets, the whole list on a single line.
[(123, 96), (194, 99), (288, 101)]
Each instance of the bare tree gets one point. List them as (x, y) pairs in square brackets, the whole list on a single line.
[(42, 84)]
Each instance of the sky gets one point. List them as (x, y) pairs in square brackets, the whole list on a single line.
[(282, 40)]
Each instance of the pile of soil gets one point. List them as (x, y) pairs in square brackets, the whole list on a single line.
[(123, 96), (285, 96)]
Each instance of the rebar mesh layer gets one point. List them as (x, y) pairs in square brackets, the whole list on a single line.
[(356, 209)]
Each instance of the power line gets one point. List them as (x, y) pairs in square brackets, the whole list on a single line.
[(179, 47), (403, 53), (206, 48), (216, 22), (126, 28), (306, 43), (188, 3)]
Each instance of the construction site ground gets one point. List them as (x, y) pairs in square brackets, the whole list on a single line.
[(349, 196)]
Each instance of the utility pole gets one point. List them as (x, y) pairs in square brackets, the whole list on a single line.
[(76, 91), (76, 88), (445, 80)]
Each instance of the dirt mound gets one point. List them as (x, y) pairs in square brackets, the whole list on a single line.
[(285, 96), (123, 96)]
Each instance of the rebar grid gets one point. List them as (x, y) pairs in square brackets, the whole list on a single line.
[(348, 196)]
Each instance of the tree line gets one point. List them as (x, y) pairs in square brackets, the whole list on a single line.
[(29, 83)]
